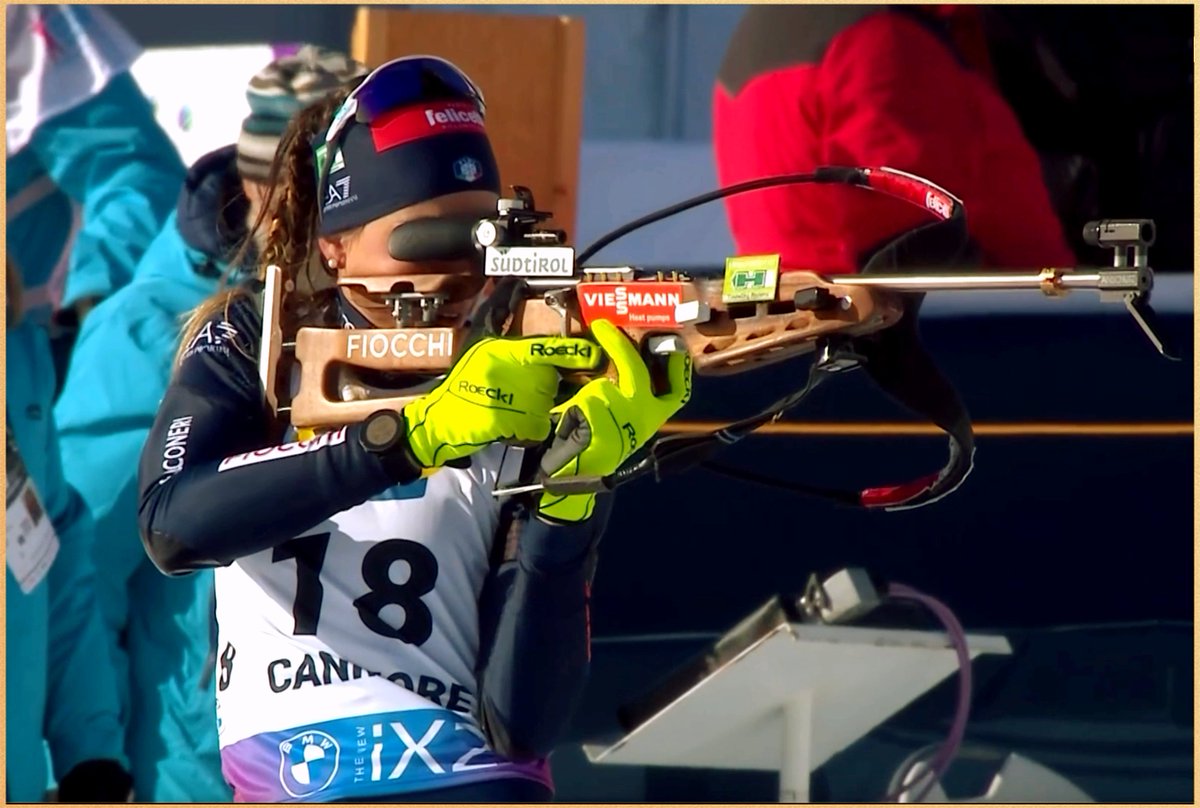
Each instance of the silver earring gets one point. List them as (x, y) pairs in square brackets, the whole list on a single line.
[(333, 263)]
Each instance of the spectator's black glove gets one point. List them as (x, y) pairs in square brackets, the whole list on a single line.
[(96, 781)]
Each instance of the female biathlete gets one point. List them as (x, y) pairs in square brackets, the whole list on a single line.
[(388, 630)]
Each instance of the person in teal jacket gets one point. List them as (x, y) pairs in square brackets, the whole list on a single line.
[(60, 690), (91, 176), (161, 628)]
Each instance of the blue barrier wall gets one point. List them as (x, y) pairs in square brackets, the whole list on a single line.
[(1045, 531)]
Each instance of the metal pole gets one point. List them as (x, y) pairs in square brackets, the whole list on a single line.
[(796, 767)]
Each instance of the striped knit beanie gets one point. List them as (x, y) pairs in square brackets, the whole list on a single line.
[(278, 92)]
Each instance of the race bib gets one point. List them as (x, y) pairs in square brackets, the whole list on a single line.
[(32, 543)]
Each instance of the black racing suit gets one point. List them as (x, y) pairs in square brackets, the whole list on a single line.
[(534, 638)]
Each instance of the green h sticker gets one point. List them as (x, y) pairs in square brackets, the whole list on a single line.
[(750, 278)]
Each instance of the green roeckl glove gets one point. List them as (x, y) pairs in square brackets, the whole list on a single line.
[(500, 389), (611, 420)]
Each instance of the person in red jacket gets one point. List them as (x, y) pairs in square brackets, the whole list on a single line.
[(806, 86)]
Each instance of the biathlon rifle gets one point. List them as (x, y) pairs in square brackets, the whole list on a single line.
[(753, 314)]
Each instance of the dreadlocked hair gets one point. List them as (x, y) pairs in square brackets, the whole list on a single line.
[(289, 212)]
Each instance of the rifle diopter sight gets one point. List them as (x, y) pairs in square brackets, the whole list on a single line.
[(516, 224), (513, 245)]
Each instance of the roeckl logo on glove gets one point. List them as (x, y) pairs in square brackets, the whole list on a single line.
[(538, 349), (630, 433), (494, 393)]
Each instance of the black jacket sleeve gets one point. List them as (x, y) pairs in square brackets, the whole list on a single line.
[(535, 634), (215, 484)]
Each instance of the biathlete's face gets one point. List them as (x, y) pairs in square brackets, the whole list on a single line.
[(396, 132), (363, 253)]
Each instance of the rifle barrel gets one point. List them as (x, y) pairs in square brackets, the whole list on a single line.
[(1046, 280)]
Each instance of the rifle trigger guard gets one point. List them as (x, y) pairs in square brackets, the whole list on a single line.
[(557, 302), (494, 312)]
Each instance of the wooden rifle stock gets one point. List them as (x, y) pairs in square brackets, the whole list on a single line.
[(721, 338)]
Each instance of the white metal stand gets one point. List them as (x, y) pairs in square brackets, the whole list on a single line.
[(791, 699)]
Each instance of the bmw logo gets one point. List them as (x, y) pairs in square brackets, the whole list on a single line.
[(308, 762)]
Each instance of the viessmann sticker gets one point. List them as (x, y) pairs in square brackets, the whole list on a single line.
[(639, 304)]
